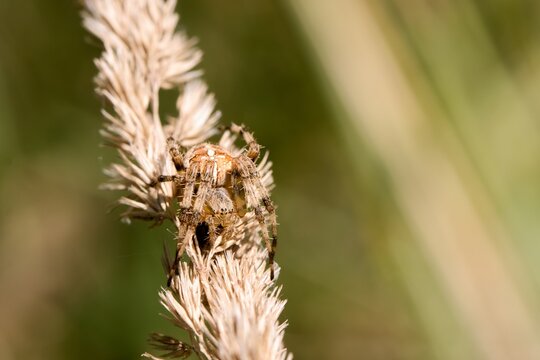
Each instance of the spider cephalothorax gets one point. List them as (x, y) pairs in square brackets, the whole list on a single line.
[(215, 189)]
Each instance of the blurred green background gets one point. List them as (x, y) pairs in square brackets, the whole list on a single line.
[(405, 142)]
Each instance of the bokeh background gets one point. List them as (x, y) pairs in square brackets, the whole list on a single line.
[(405, 141)]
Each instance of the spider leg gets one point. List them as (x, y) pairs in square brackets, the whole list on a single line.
[(254, 148), (178, 161), (270, 245), (190, 215), (176, 155), (258, 198), (212, 234), (165, 178), (188, 221), (188, 230), (206, 175), (168, 178), (273, 226), (237, 193)]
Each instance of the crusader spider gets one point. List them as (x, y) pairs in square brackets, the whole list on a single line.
[(215, 189)]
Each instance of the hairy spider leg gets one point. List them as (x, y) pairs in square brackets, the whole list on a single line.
[(178, 161), (271, 209), (168, 178), (212, 231), (188, 219), (257, 198), (176, 155), (238, 199), (254, 148), (190, 214)]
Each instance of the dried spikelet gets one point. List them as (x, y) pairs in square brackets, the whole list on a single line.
[(224, 296), (144, 54), (228, 304)]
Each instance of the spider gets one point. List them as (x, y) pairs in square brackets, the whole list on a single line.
[(215, 189)]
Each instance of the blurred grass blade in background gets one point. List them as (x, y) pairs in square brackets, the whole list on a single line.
[(443, 199)]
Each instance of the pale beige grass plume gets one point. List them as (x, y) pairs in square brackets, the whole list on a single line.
[(224, 297)]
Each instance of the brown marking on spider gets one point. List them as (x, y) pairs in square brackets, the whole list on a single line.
[(215, 189)]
